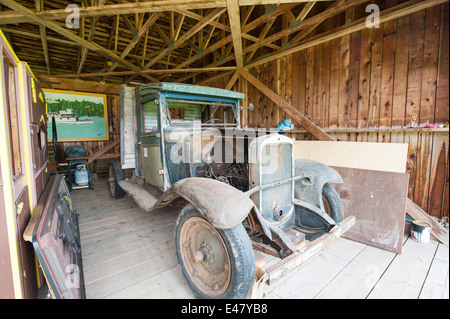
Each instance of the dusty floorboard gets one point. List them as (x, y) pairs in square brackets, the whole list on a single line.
[(129, 253)]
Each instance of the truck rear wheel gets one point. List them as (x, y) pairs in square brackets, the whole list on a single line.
[(216, 263), (115, 175)]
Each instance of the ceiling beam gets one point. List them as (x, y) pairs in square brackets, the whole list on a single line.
[(150, 21), (162, 71), (235, 24), (277, 2), (94, 22), (301, 35), (132, 8), (115, 9), (227, 28), (265, 41), (70, 35), (188, 34), (340, 6), (39, 6)]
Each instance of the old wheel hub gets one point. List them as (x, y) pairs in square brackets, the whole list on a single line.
[(205, 257)]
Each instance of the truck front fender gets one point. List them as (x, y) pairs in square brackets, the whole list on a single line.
[(222, 205), (310, 189)]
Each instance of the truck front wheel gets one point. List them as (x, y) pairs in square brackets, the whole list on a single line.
[(216, 263)]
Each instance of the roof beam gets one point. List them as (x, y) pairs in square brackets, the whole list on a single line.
[(115, 9), (162, 71), (70, 35), (94, 22), (131, 8), (336, 8), (150, 21), (39, 6), (188, 34), (235, 24), (210, 17)]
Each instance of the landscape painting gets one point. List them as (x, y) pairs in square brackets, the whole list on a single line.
[(79, 116)]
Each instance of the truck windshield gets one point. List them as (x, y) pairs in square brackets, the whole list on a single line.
[(204, 113)]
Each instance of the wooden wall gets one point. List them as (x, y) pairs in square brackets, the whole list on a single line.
[(368, 86)]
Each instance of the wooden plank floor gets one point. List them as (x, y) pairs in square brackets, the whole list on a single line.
[(129, 253)]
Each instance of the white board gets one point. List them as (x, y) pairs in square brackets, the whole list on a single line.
[(390, 157), (127, 127)]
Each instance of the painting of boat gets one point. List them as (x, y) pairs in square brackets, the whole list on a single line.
[(79, 116), (68, 117)]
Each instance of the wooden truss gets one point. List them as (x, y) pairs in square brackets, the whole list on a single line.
[(127, 41)]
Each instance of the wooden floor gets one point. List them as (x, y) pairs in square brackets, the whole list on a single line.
[(128, 253)]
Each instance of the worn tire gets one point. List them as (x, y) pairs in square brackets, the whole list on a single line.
[(334, 203), (240, 253), (115, 175)]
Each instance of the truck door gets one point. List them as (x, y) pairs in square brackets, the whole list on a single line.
[(150, 141)]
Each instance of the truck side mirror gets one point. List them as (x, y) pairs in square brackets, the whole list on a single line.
[(251, 107)]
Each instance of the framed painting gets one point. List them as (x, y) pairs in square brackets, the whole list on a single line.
[(79, 116)]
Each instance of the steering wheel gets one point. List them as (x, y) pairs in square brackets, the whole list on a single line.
[(209, 121)]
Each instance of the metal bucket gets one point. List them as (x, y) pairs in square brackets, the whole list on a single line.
[(81, 175), (420, 231)]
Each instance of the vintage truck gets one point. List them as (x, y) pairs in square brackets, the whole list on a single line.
[(241, 189)]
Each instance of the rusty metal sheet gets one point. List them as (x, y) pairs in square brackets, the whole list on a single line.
[(377, 199)]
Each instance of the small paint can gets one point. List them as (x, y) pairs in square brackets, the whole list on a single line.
[(420, 231)]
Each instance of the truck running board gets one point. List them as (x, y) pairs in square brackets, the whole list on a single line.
[(308, 251), (140, 195)]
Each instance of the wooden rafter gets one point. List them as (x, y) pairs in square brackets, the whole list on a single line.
[(94, 21), (162, 71), (39, 6), (343, 5), (301, 35), (267, 17), (280, 10), (262, 35), (68, 34), (210, 17), (235, 24), (133, 8), (145, 27), (115, 9)]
